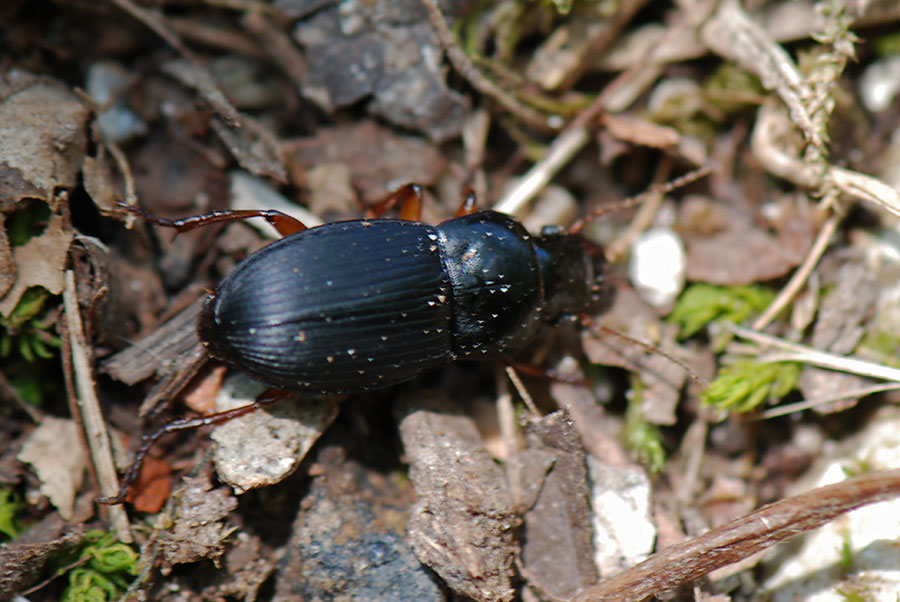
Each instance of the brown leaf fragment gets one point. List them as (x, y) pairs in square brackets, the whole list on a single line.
[(641, 131), (348, 542), (721, 257), (55, 451), (43, 137), (40, 262), (23, 561), (198, 532), (101, 181), (462, 526), (374, 154), (838, 329), (557, 550)]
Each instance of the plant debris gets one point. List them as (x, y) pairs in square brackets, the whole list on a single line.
[(197, 530), (462, 525), (736, 165)]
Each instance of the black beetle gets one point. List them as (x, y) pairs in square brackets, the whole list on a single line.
[(350, 306), (356, 305)]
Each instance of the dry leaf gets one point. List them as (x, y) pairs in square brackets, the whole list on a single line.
[(43, 137), (55, 451), (40, 262)]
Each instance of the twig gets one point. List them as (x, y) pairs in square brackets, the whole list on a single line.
[(561, 150), (867, 188), (807, 355), (522, 391), (200, 78), (740, 538), (89, 407), (464, 65), (506, 420), (791, 408), (790, 290)]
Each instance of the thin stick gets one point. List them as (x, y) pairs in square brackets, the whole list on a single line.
[(800, 276), (801, 353), (89, 407), (740, 538), (809, 404), (464, 65), (506, 420), (523, 392), (560, 152)]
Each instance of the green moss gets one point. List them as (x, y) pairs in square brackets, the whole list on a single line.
[(641, 437), (701, 304), (24, 333), (27, 222), (108, 568), (746, 384), (11, 506)]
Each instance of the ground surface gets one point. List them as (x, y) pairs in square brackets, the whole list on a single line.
[(755, 298)]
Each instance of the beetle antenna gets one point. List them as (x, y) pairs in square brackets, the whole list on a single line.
[(590, 323), (657, 189)]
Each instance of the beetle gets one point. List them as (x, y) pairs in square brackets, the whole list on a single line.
[(356, 305)]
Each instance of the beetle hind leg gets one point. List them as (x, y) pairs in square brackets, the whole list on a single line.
[(268, 397)]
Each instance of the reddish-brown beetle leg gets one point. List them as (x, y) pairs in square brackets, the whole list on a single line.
[(410, 199), (285, 224), (469, 203)]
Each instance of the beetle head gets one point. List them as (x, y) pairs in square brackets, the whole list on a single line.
[(573, 270)]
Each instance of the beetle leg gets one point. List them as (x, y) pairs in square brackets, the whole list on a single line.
[(268, 397), (410, 198), (550, 374), (469, 203), (285, 224)]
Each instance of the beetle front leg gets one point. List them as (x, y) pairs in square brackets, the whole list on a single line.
[(469, 204), (285, 224)]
